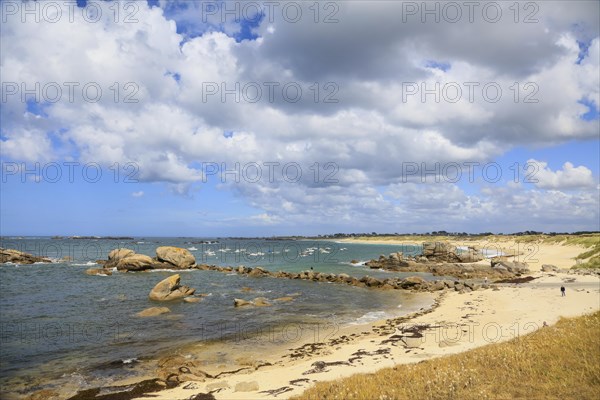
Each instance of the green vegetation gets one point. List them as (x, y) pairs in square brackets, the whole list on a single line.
[(557, 362), (592, 256), (590, 253), (593, 262)]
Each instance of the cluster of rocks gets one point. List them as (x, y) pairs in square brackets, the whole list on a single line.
[(167, 257), (501, 264), (414, 283), (442, 259), (445, 252), (19, 257)]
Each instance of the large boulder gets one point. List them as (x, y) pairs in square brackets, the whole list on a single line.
[(117, 254), (19, 257), (549, 268), (178, 257), (135, 262), (170, 289)]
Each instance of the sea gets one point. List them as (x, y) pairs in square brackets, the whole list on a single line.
[(60, 326)]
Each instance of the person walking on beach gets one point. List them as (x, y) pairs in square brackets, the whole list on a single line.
[(562, 291)]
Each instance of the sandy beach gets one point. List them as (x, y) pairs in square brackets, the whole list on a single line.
[(458, 323)]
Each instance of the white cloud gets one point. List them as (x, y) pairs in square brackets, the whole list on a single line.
[(569, 177), (138, 194), (369, 132)]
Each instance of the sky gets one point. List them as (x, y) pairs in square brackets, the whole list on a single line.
[(250, 118)]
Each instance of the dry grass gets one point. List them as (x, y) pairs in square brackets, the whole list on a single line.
[(558, 362)]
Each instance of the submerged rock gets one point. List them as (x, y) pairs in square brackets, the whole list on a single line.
[(284, 299), (98, 271), (241, 303), (261, 302), (153, 311), (192, 300)]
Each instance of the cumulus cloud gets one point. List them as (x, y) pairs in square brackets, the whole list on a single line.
[(180, 88), (569, 177)]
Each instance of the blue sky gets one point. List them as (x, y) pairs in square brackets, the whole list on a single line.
[(169, 54)]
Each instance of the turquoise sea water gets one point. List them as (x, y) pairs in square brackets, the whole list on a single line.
[(57, 323)]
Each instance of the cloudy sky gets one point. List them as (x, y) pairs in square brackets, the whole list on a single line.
[(183, 118)]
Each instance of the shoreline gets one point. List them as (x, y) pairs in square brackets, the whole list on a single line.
[(454, 322), (220, 360), (459, 322)]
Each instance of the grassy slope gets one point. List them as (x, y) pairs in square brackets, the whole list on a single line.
[(557, 362)]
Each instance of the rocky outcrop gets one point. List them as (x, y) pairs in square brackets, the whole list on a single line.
[(167, 257), (440, 251), (442, 259), (177, 257), (413, 283), (516, 267), (19, 257), (433, 252), (170, 289)]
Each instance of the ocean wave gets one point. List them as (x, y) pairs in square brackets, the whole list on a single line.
[(165, 270), (371, 316), (84, 264)]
